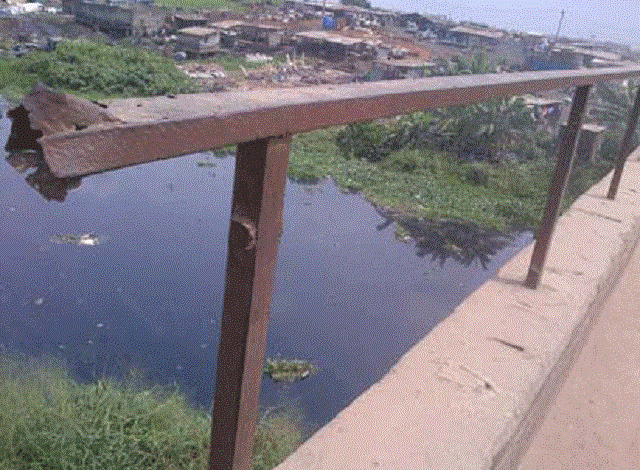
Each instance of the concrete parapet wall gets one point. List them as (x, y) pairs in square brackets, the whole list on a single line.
[(468, 395)]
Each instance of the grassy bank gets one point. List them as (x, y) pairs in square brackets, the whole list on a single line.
[(94, 71), (423, 182), (49, 421)]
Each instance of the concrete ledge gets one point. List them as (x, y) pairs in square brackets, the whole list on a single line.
[(469, 394)]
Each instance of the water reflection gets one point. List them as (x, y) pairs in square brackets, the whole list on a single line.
[(22, 136), (463, 242), (42, 179)]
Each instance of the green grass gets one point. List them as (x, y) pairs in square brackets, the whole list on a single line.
[(49, 421), (232, 63), (93, 70)]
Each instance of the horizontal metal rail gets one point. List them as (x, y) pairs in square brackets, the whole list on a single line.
[(138, 130)]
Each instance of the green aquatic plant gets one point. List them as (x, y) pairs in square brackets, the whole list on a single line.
[(288, 370)]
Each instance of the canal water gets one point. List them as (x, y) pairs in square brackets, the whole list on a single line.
[(348, 296)]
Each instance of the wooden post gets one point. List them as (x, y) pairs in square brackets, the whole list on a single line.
[(254, 234), (625, 148), (566, 152)]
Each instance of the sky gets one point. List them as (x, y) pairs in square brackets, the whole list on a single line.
[(614, 20)]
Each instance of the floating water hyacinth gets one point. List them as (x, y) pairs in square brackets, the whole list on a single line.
[(86, 239), (288, 370)]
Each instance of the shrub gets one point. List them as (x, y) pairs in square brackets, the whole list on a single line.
[(85, 67), (363, 140)]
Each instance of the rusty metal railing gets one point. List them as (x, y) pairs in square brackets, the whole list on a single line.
[(79, 138)]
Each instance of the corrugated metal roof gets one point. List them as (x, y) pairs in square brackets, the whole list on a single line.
[(478, 32), (227, 24), (330, 37), (197, 31)]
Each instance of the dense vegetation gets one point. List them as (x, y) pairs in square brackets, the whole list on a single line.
[(49, 421), (94, 70), (486, 165), (410, 168)]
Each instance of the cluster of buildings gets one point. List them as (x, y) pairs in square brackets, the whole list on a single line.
[(379, 43)]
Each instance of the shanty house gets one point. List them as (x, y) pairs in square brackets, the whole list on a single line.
[(392, 69), (261, 34), (197, 40), (267, 36), (137, 19), (333, 46), (465, 36), (183, 20)]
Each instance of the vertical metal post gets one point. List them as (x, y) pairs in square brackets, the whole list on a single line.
[(566, 152), (254, 234), (625, 148)]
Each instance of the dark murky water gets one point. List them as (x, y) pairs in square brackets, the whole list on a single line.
[(348, 295)]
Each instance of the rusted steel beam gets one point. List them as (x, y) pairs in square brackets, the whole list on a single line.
[(162, 127), (625, 148), (566, 153), (254, 234)]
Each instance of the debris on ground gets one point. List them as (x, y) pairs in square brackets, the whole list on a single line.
[(287, 73)]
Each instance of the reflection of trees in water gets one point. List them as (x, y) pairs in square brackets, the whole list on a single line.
[(451, 239)]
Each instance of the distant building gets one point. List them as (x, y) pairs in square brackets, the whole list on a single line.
[(186, 20), (592, 57), (122, 19), (392, 69), (334, 46), (570, 56), (465, 36), (198, 41), (267, 36), (258, 35)]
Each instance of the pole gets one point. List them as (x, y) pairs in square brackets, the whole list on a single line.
[(566, 152), (254, 235), (625, 148)]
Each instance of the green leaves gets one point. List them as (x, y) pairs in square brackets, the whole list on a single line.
[(363, 141), (485, 129), (49, 421), (89, 68)]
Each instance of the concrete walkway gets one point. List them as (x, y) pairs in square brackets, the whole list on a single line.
[(595, 421)]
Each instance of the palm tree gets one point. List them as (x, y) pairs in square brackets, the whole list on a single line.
[(486, 129)]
